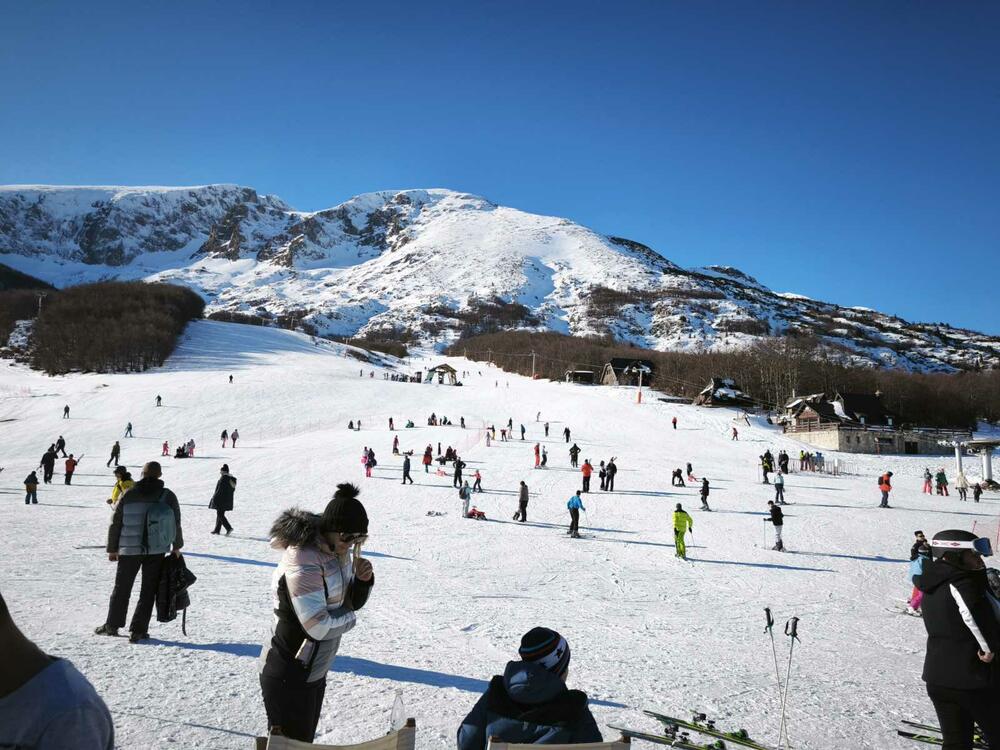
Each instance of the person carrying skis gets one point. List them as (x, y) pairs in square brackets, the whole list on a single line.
[(682, 524), (224, 437), (128, 430), (477, 485), (530, 703), (928, 478), (612, 469), (963, 637), (48, 464), (61, 446), (406, 469), (777, 519), (222, 500), (779, 489), (71, 464), (123, 483), (704, 493), (31, 489), (522, 503), (459, 464), (574, 455), (885, 485), (575, 505), (116, 451), (587, 469), (538, 455)]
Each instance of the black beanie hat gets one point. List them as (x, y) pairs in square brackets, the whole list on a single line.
[(345, 512), (546, 647)]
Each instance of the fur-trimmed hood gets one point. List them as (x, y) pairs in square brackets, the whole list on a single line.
[(295, 528)]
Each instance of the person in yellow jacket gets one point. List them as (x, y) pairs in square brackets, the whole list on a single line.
[(123, 483), (682, 524)]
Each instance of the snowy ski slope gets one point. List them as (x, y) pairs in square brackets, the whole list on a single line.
[(453, 596)]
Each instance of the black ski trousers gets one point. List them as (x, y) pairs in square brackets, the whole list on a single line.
[(47, 474), (958, 710), (586, 484), (574, 520), (779, 493), (407, 477), (522, 511), (128, 568), (292, 707), (610, 484), (221, 522)]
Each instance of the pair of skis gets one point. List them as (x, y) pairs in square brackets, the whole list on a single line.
[(677, 733), (929, 734)]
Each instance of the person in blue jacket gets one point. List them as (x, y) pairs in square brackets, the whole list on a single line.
[(575, 505), (530, 703)]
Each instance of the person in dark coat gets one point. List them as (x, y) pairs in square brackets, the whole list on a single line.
[(777, 518), (48, 464), (457, 477), (530, 703), (31, 489), (116, 452), (406, 469), (574, 455), (963, 637), (612, 469), (522, 503), (60, 446), (222, 500)]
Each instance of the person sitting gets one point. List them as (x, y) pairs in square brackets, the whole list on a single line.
[(181, 452), (409, 423), (530, 703), (350, 425)]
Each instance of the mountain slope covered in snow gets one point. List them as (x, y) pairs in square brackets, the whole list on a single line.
[(432, 265)]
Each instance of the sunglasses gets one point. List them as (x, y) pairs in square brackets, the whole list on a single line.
[(355, 538)]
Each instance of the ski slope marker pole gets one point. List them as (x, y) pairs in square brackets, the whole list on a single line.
[(792, 631)]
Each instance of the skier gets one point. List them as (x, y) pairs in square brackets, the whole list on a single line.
[(546, 429), (234, 437), (574, 455), (682, 524), (538, 455), (123, 483), (370, 462), (690, 473), (674, 422), (459, 464), (522, 503), (395, 445), (942, 482), (61, 446), (392, 426), (406, 469), (522, 432), (31, 489), (530, 703), (928, 478), (128, 430), (477, 485), (575, 505), (465, 494), (779, 489), (225, 437), (963, 486), (166, 448), (66, 412), (765, 467), (778, 520), (587, 469), (230, 379), (545, 457), (736, 434), (316, 593), (71, 464), (461, 422), (920, 553), (222, 500), (47, 464), (612, 469), (704, 494), (116, 451), (963, 636), (566, 434), (885, 485), (428, 459), (159, 401), (134, 548)]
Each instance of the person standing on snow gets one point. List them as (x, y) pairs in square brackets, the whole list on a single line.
[(575, 505), (465, 495), (66, 412), (61, 446), (920, 553), (477, 485), (736, 434), (538, 455), (48, 465), (612, 469), (123, 483), (674, 422), (963, 637), (885, 485), (566, 433), (963, 486), (574, 455), (128, 430), (459, 464), (928, 479), (522, 503), (779, 489), (587, 469), (316, 592), (116, 451), (159, 401), (942, 482), (406, 469), (546, 429), (777, 518), (222, 500), (977, 492), (682, 524), (522, 432), (71, 464), (602, 474), (31, 489), (704, 494), (224, 437), (428, 459), (234, 437), (690, 472), (530, 703), (545, 457), (131, 546), (395, 445), (166, 448)]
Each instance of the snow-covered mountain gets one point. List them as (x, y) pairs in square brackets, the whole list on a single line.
[(432, 264)]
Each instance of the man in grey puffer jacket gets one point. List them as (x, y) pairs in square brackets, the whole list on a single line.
[(129, 545)]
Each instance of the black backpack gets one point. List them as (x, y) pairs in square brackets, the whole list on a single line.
[(172, 596)]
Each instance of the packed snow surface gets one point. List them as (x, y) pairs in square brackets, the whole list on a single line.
[(453, 596)]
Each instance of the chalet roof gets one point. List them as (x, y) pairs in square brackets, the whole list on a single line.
[(867, 405), (443, 367), (618, 364)]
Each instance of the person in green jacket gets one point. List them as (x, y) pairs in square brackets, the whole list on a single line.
[(682, 524)]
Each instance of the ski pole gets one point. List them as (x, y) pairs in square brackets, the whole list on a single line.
[(791, 630), (769, 629)]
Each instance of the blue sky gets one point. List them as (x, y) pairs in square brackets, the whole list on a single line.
[(848, 151)]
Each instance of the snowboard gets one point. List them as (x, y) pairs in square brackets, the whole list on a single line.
[(681, 742), (702, 726)]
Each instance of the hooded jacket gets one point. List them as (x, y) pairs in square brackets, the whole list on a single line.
[(528, 704), (960, 623), (225, 489), (314, 595)]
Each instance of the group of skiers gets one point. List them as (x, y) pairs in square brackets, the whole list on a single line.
[(767, 464), (938, 484), (809, 461)]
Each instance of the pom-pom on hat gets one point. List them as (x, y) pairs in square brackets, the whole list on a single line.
[(345, 512), (547, 648)]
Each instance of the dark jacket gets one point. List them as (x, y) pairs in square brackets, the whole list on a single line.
[(705, 490), (48, 459), (522, 494), (777, 517), (172, 595), (459, 465), (529, 705), (128, 525), (612, 469), (224, 490), (952, 658)]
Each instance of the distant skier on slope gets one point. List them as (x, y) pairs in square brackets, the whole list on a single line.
[(565, 433), (574, 455), (682, 524), (587, 469), (690, 472), (885, 485), (612, 469), (575, 505), (522, 503), (779, 489), (704, 494), (778, 520)]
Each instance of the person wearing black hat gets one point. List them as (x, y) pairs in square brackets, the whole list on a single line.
[(222, 500), (963, 636), (530, 703), (316, 590)]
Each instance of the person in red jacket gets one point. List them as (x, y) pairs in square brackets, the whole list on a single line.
[(71, 467), (428, 458), (587, 469), (538, 455), (885, 484)]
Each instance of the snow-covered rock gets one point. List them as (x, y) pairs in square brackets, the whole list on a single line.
[(431, 263)]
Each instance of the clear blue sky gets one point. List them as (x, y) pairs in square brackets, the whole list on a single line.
[(849, 151)]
